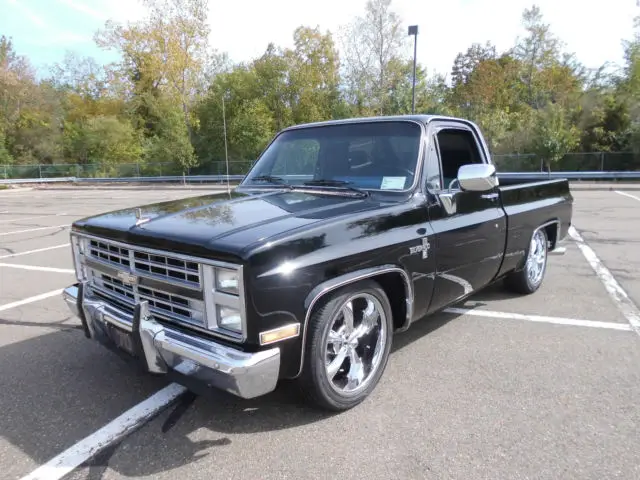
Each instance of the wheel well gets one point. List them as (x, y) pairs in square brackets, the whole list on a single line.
[(393, 285), (552, 234)]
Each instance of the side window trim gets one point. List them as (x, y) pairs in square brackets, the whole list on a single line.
[(462, 127), (432, 143)]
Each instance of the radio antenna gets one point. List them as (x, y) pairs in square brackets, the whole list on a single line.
[(226, 154)]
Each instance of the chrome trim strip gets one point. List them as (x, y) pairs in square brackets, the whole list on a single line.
[(546, 224), (225, 299), (543, 225), (351, 278), (208, 283)]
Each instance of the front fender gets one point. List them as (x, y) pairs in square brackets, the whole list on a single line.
[(324, 288)]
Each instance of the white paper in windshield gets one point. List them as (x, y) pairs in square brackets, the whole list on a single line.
[(392, 183)]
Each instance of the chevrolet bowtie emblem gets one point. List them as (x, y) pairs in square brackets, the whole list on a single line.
[(127, 278)]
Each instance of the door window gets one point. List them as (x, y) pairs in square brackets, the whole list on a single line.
[(457, 147)]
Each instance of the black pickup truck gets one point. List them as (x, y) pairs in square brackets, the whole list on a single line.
[(343, 233)]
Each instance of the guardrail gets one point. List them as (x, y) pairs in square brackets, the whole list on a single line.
[(594, 175), (172, 179), (10, 181)]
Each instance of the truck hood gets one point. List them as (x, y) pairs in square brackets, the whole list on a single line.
[(222, 224)]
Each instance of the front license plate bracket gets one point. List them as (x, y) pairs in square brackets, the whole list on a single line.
[(122, 339)]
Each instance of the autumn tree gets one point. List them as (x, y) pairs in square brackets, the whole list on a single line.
[(465, 63), (165, 54), (373, 46)]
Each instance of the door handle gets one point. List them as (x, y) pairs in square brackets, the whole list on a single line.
[(489, 196)]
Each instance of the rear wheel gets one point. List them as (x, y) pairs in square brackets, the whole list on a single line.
[(348, 344), (529, 279)]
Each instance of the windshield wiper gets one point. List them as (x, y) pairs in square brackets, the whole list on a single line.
[(327, 182), (272, 179)]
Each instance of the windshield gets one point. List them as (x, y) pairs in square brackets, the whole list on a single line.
[(366, 155)]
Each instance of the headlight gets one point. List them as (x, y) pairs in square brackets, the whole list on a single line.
[(226, 281), (224, 300), (229, 318)]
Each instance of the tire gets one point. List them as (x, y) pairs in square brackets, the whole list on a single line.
[(315, 381), (528, 279)]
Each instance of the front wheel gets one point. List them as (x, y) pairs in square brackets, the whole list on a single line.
[(347, 346), (529, 279)]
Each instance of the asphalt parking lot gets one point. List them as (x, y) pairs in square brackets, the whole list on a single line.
[(544, 386)]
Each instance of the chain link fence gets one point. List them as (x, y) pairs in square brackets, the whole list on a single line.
[(572, 162)]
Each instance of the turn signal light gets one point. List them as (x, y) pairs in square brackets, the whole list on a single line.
[(281, 333)]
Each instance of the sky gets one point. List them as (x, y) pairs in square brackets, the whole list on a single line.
[(44, 30)]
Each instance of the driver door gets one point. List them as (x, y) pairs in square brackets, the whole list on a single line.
[(469, 227)]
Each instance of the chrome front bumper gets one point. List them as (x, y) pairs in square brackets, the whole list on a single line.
[(162, 349)]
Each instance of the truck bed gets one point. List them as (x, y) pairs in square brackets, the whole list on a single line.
[(530, 203)]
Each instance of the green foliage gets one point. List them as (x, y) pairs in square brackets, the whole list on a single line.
[(162, 101), (554, 136)]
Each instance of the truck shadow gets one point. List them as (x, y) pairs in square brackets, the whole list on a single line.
[(490, 293), (216, 417), (57, 388), (60, 387)]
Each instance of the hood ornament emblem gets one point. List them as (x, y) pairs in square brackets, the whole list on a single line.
[(139, 218)]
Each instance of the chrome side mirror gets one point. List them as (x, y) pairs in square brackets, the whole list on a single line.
[(477, 177)]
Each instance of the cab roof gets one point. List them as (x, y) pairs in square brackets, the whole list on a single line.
[(419, 118)]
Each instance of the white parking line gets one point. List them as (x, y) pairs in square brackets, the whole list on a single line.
[(617, 293), (36, 298), (16, 190), (539, 318), (88, 447), (31, 218), (627, 195), (137, 416), (29, 252), (33, 229), (36, 268)]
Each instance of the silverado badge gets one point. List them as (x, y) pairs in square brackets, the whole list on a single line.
[(424, 248), (127, 278)]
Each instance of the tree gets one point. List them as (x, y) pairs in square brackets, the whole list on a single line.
[(17, 84), (313, 75), (554, 135), (168, 50), (465, 63), (372, 45), (537, 51)]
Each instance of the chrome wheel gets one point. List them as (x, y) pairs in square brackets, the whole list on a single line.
[(536, 261), (355, 344)]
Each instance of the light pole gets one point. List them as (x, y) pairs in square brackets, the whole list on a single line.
[(413, 30)]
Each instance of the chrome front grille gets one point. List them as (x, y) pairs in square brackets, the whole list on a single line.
[(162, 267), (161, 303), (203, 293)]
